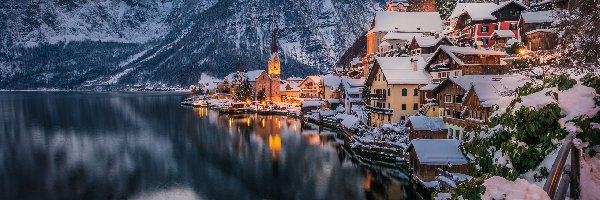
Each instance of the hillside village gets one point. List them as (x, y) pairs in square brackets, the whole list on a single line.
[(436, 95)]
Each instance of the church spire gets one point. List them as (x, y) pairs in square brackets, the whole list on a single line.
[(273, 36)]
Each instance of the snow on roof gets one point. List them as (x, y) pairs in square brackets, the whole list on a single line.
[(452, 50), (355, 61), (477, 11), (401, 36), (429, 87), (424, 123), (540, 30), (538, 17), (294, 79), (504, 34), (316, 79), (399, 70), (408, 22), (428, 41), (312, 103), (349, 121), (331, 80), (295, 86), (353, 86), (506, 3), (252, 75), (438, 151), (385, 44), (490, 89)]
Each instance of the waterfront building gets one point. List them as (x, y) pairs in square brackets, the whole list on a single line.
[(270, 82), (351, 94), (394, 83), (330, 84), (310, 88)]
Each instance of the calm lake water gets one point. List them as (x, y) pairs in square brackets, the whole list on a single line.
[(85, 145)]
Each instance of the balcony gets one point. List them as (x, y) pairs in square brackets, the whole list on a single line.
[(375, 96), (378, 110)]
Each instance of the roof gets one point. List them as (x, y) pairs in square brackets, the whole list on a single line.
[(541, 30), (428, 41), (504, 34), (438, 151), (399, 70), (429, 87), (296, 79), (313, 103), (385, 44), (407, 22), (504, 4), (477, 11), (315, 79), (331, 80), (453, 50), (490, 89), (353, 86), (252, 75), (401, 36), (539, 17), (424, 123), (295, 86)]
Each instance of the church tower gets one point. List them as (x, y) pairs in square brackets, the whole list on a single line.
[(274, 64)]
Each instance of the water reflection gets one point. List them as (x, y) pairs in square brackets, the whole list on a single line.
[(144, 146)]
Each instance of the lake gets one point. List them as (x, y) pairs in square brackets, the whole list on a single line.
[(90, 145)]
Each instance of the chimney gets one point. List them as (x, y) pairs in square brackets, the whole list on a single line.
[(413, 63)]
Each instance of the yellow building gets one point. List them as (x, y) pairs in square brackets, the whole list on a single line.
[(310, 88), (394, 83)]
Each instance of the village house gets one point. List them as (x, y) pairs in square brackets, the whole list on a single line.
[(424, 46), (351, 94), (453, 61), (466, 102), (414, 23), (428, 156), (397, 5), (329, 86), (423, 127), (290, 91), (536, 30), (394, 83), (475, 22), (310, 88), (501, 38)]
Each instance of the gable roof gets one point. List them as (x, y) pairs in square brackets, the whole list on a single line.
[(353, 86), (315, 79), (429, 41), (505, 4), (453, 50), (503, 34), (331, 80), (438, 151), (477, 11), (399, 70), (539, 17), (490, 89), (401, 36), (424, 123), (252, 75), (407, 22)]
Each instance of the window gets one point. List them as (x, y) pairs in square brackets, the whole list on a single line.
[(389, 105), (444, 75), (458, 99), (416, 92), (485, 29), (448, 99), (389, 93), (416, 106), (403, 106), (496, 27), (513, 27), (456, 73), (450, 133), (404, 92), (485, 41)]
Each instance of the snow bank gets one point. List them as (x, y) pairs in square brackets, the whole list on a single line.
[(577, 101), (500, 188), (349, 121), (590, 177)]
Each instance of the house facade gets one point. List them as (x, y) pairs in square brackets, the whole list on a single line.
[(310, 88), (453, 61), (535, 28), (351, 94), (429, 155), (394, 83), (423, 127)]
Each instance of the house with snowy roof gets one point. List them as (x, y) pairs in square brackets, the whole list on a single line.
[(535, 28), (428, 156), (476, 22), (453, 61), (290, 91), (501, 38), (351, 93), (466, 102), (394, 83), (424, 46), (423, 127), (310, 87), (397, 5), (329, 86), (385, 22)]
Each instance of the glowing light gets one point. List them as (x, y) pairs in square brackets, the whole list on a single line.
[(522, 52), (275, 145), (367, 183), (230, 122), (262, 123), (248, 122), (279, 124)]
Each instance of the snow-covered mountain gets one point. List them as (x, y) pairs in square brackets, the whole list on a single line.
[(71, 43)]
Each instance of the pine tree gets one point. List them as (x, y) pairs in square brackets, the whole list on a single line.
[(261, 96), (578, 34), (245, 91), (445, 7)]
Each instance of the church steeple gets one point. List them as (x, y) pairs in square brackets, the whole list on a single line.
[(274, 65)]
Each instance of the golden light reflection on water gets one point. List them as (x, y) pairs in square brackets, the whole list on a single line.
[(275, 145)]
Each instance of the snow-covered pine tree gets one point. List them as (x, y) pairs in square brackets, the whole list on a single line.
[(245, 91), (579, 38), (261, 96), (445, 7)]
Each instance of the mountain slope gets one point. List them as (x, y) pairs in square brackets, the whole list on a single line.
[(68, 44)]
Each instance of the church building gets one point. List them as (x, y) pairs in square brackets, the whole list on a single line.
[(270, 82)]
